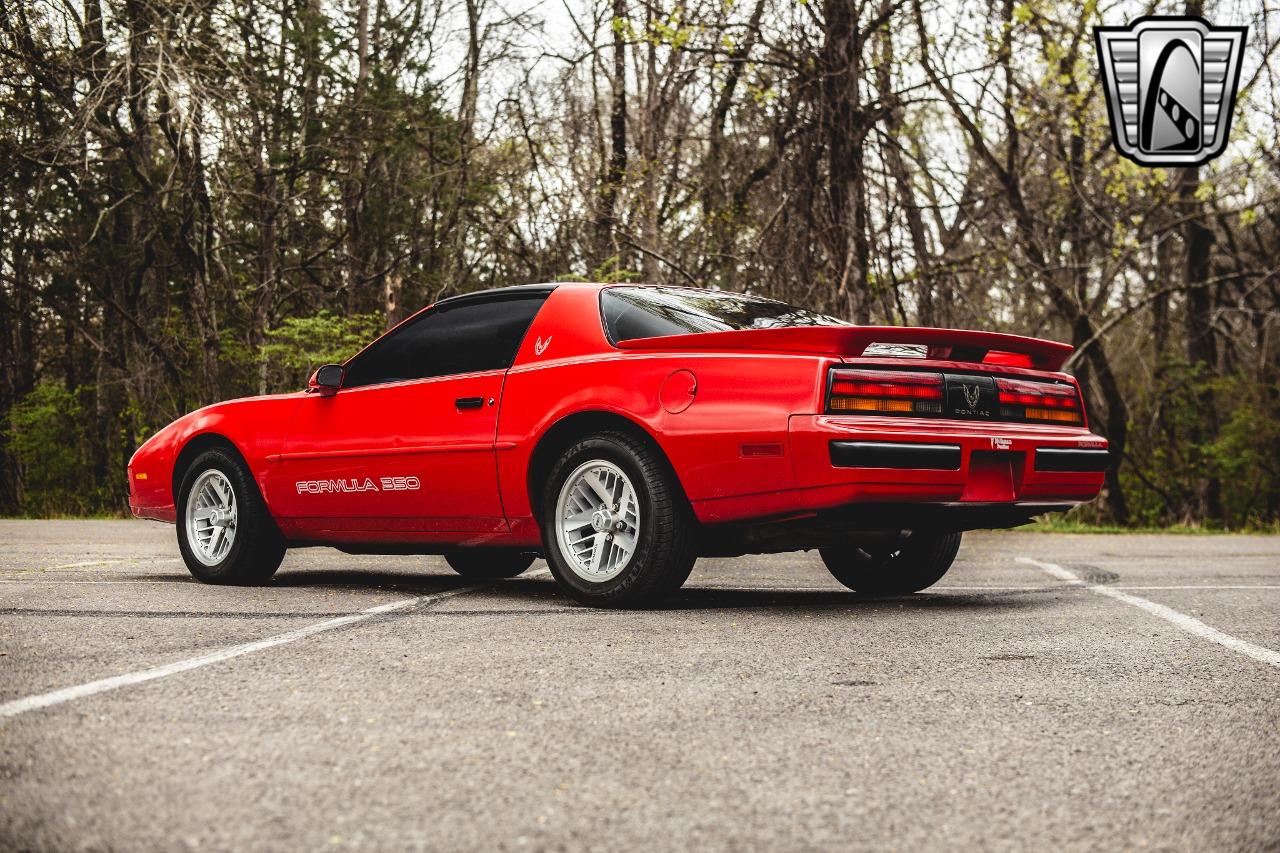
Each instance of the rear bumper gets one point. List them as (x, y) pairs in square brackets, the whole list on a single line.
[(990, 475), (841, 460), (835, 527)]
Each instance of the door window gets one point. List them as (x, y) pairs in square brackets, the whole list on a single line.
[(452, 338)]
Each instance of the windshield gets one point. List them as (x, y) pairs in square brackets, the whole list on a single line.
[(650, 312)]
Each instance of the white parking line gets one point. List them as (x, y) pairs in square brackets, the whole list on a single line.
[(80, 691), (60, 582), (84, 564), (1205, 586), (1125, 586), (943, 588), (62, 566), (1182, 620)]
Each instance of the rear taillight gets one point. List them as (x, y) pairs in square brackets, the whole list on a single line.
[(1039, 401), (885, 391)]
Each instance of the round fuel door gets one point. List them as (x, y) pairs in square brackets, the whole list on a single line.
[(678, 391)]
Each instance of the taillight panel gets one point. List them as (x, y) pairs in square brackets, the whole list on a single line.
[(885, 392), (945, 395), (1039, 401)]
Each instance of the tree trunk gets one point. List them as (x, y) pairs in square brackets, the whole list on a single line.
[(921, 253), (1202, 349), (616, 171), (849, 248), (353, 192)]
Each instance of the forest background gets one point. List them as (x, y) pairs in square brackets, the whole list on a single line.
[(203, 199)]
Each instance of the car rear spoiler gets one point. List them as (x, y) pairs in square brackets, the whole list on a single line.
[(993, 348)]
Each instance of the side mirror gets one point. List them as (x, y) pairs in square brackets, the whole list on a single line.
[(327, 380)]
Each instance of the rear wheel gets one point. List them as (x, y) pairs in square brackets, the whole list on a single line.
[(488, 563), (225, 533), (617, 529), (893, 567)]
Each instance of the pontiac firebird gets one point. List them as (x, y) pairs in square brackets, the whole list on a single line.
[(622, 431)]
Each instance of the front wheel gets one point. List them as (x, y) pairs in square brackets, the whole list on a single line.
[(225, 533), (488, 563), (617, 528), (894, 567)]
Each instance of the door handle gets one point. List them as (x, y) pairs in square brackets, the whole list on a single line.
[(469, 402)]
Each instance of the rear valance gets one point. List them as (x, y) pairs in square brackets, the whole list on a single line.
[(852, 341)]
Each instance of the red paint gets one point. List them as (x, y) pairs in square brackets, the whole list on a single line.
[(993, 475), (747, 437), (399, 429)]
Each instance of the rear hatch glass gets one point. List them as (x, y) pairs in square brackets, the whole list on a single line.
[(631, 313)]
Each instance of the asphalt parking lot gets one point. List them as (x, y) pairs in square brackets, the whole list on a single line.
[(1082, 692)]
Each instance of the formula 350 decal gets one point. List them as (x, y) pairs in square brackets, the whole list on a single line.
[(356, 484)]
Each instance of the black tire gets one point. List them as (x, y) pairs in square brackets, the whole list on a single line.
[(897, 567), (488, 563), (257, 547), (664, 552)]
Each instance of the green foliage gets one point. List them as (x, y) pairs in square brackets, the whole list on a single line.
[(299, 345), (1243, 455), (238, 362), (613, 270), (1194, 428), (47, 437)]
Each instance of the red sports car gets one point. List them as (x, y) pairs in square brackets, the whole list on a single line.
[(621, 431)]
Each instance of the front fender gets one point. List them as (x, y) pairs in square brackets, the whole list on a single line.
[(254, 426)]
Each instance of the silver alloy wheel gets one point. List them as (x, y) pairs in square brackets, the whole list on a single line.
[(211, 517), (598, 521)]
